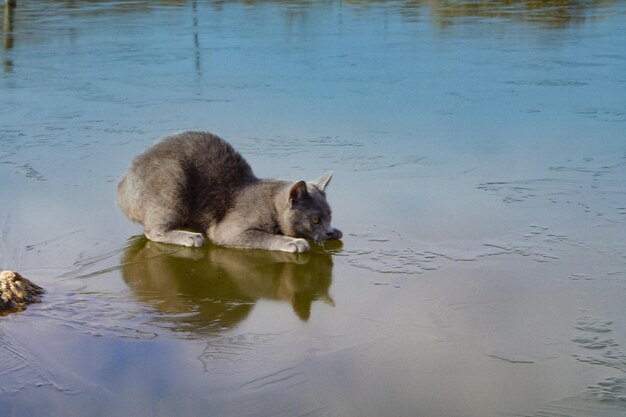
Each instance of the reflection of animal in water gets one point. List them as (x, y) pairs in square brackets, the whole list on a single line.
[(212, 289)]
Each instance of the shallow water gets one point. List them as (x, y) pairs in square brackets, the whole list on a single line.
[(480, 182)]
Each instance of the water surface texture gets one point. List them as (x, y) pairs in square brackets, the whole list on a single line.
[(479, 152)]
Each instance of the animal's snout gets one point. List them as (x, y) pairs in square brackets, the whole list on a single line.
[(334, 234)]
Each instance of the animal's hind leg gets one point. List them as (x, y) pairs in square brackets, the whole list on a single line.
[(162, 226), (175, 237)]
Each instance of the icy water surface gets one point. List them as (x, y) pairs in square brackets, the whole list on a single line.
[(479, 153)]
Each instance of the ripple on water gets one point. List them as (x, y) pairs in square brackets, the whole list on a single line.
[(95, 313), (606, 114), (592, 324), (606, 398), (20, 368), (392, 253), (595, 188), (594, 337), (394, 261), (339, 152), (284, 146), (222, 350)]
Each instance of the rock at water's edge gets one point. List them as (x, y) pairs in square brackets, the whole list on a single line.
[(17, 291)]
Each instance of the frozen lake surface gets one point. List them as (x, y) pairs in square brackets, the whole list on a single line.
[(479, 153)]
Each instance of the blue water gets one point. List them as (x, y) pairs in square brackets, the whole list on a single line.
[(479, 164)]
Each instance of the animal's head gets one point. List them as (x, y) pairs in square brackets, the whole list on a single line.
[(309, 214)]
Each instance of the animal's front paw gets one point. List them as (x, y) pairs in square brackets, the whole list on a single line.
[(296, 246), (194, 240), (177, 237), (189, 239)]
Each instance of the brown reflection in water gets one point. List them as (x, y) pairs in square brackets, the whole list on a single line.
[(551, 13), (7, 33), (212, 289), (557, 13), (7, 26)]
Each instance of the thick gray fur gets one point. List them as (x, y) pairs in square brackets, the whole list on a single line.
[(195, 183)]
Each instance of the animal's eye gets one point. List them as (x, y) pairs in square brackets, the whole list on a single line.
[(315, 220)]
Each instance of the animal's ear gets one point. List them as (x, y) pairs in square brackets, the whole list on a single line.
[(322, 182), (298, 192)]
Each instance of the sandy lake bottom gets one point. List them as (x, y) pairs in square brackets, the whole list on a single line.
[(479, 158)]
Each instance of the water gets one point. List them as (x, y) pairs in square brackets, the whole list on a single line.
[(480, 164)]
